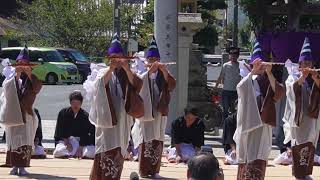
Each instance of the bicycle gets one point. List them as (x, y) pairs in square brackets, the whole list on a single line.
[(213, 117)]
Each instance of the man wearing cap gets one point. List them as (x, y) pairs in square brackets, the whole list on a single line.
[(74, 135), (115, 101), (187, 136), (258, 92), (229, 77), (302, 123), (17, 113), (148, 131)]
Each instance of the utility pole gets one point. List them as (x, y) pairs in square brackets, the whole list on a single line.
[(235, 23), (116, 17)]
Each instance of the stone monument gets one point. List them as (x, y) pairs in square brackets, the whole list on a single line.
[(174, 33), (166, 18), (190, 67), (192, 71)]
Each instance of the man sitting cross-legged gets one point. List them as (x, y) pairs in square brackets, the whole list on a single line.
[(74, 134)]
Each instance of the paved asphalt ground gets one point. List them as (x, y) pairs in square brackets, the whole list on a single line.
[(53, 98)]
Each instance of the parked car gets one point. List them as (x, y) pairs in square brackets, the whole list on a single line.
[(81, 61), (52, 67)]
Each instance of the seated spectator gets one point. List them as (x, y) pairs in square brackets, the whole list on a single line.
[(229, 128), (74, 134), (187, 136), (204, 167), (285, 157), (38, 150)]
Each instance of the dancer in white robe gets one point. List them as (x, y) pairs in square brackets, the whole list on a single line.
[(258, 92), (148, 131), (115, 101), (17, 113), (302, 122)]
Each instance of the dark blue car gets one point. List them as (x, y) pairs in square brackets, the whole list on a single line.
[(79, 59)]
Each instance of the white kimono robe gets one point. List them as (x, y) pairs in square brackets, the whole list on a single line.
[(148, 128), (253, 137), (17, 133), (309, 128), (108, 137)]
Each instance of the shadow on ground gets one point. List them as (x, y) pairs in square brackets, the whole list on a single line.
[(46, 176), (165, 178)]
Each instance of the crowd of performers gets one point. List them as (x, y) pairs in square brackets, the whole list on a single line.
[(129, 104), (125, 96), (121, 101), (262, 87)]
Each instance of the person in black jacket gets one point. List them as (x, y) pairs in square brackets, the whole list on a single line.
[(74, 135), (187, 136)]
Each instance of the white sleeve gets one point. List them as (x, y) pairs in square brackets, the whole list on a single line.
[(290, 110), (9, 101), (100, 114), (248, 116), (9, 72), (146, 97), (244, 69)]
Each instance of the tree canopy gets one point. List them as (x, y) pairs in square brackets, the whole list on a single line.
[(88, 25), (80, 24), (290, 17), (208, 36), (145, 25)]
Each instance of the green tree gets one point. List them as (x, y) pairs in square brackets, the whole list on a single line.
[(80, 24), (205, 7), (262, 20), (208, 36), (244, 35), (145, 25)]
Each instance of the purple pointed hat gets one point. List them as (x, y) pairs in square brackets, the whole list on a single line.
[(23, 55), (153, 51), (256, 52), (115, 46), (305, 54)]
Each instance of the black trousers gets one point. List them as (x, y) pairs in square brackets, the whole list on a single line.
[(228, 100), (229, 128)]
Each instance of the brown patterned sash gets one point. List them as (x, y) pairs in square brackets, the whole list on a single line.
[(303, 158), (254, 170)]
